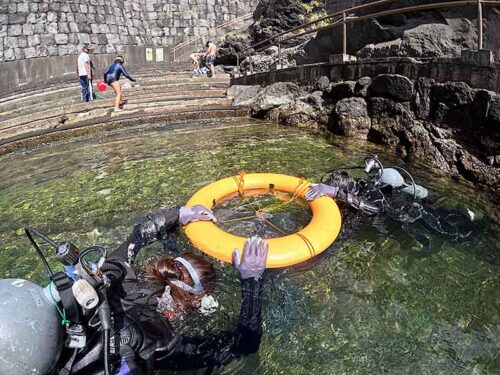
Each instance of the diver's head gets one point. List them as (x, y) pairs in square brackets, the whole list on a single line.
[(187, 278), (119, 60), (342, 180)]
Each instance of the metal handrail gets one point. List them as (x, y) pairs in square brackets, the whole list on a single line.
[(348, 20), (327, 17), (221, 26)]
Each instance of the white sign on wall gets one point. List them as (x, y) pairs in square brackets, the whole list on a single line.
[(159, 54)]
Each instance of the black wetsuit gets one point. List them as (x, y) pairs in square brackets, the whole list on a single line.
[(145, 335), (415, 215), (113, 73)]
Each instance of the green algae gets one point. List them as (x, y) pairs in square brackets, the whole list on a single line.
[(376, 305)]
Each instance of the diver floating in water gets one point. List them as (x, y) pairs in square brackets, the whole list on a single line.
[(115, 324), (392, 192)]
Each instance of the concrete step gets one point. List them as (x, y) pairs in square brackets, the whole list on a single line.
[(106, 115), (130, 97), (35, 138), (74, 114), (72, 93)]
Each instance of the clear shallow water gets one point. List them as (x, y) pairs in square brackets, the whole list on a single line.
[(375, 306)]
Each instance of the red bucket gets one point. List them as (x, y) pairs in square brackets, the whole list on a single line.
[(101, 86)]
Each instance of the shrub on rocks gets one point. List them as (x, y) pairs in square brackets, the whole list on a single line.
[(393, 86)]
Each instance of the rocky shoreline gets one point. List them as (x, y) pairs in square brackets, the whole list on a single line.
[(447, 125)]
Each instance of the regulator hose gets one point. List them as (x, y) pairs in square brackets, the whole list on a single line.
[(105, 318)]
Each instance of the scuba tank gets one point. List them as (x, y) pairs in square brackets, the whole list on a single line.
[(31, 334)]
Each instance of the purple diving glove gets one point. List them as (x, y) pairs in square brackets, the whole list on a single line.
[(319, 190), (253, 262), (195, 213)]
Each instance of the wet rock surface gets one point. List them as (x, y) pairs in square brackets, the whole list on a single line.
[(448, 125)]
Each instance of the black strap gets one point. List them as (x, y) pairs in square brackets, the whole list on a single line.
[(66, 370), (63, 285)]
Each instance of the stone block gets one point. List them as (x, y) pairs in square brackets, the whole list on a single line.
[(43, 7), (18, 53), (47, 39), (85, 28), (23, 7), (63, 17), (83, 8), (15, 30), (51, 28), (72, 49), (17, 18), (90, 18), (12, 10), (73, 27), (33, 40), (63, 27), (22, 41), (55, 6), (39, 27), (41, 51), (113, 29), (51, 16), (4, 19), (3, 31), (8, 54), (83, 38), (61, 39), (72, 38), (30, 52), (63, 50), (104, 29), (95, 28), (11, 42), (80, 18), (113, 38)]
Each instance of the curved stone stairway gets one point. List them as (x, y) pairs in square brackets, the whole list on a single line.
[(55, 112)]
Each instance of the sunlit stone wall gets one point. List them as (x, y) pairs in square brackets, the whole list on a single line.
[(42, 28)]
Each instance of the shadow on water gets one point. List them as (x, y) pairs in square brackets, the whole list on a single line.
[(373, 303)]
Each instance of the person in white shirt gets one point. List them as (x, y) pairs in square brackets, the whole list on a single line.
[(85, 73)]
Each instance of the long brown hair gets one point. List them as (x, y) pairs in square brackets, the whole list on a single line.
[(166, 269)]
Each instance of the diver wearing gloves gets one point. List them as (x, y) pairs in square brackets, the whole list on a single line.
[(125, 323), (386, 192)]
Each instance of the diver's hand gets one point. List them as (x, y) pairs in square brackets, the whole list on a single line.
[(253, 262), (319, 190), (195, 213)]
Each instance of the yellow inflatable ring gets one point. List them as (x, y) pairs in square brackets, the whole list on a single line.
[(313, 239)]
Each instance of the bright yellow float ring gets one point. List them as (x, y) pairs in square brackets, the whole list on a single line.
[(313, 239)]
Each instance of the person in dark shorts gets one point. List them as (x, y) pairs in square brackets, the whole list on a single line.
[(112, 76), (210, 57)]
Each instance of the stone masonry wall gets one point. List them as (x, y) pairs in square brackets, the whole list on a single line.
[(42, 28)]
